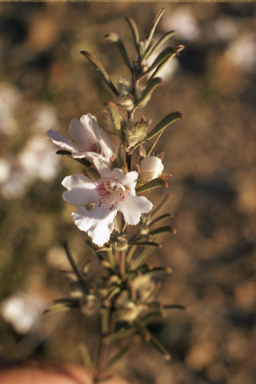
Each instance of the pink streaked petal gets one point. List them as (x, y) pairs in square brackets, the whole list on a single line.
[(133, 207), (107, 147), (81, 190), (62, 141), (98, 222)]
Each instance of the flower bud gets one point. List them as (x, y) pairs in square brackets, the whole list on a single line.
[(150, 168)]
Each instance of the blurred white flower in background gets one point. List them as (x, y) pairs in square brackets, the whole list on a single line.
[(37, 160), (184, 22), (22, 310), (223, 29), (10, 98), (45, 118), (242, 53), (5, 168)]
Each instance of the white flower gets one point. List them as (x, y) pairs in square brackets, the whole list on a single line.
[(115, 191), (93, 142), (22, 310), (150, 168)]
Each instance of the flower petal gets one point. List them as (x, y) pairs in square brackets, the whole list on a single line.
[(62, 141), (102, 168), (129, 179), (82, 133), (81, 190), (133, 207), (107, 147), (98, 222)]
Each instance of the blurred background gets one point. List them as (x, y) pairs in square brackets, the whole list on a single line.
[(44, 83)]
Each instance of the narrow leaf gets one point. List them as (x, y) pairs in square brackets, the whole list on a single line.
[(175, 306), (83, 161), (73, 265), (105, 320), (99, 67), (164, 62), (148, 91), (166, 54), (159, 231), (85, 354), (167, 120), (61, 307), (122, 333), (130, 253), (135, 33), (141, 259), (143, 331), (162, 203), (157, 46), (162, 217), (160, 347), (153, 27), (122, 352), (155, 183), (119, 44), (145, 244)]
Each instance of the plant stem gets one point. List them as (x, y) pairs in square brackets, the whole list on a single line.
[(100, 359), (122, 262)]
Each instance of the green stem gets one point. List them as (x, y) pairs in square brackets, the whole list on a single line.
[(122, 262)]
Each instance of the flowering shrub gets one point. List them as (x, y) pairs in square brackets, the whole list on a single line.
[(108, 198)]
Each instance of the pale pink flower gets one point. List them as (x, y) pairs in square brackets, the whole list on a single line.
[(92, 141), (115, 191)]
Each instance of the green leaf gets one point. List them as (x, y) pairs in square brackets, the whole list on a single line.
[(175, 306), (162, 203), (160, 42), (146, 335), (167, 120), (115, 119), (166, 54), (165, 60), (141, 259), (118, 42), (99, 67), (135, 33), (162, 217), (122, 333), (122, 352), (148, 91), (85, 354), (151, 317), (61, 307), (82, 161), (74, 266), (155, 183), (105, 320), (153, 27), (160, 347), (161, 230), (145, 244)]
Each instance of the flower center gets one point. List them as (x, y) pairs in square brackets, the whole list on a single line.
[(111, 192), (96, 148)]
